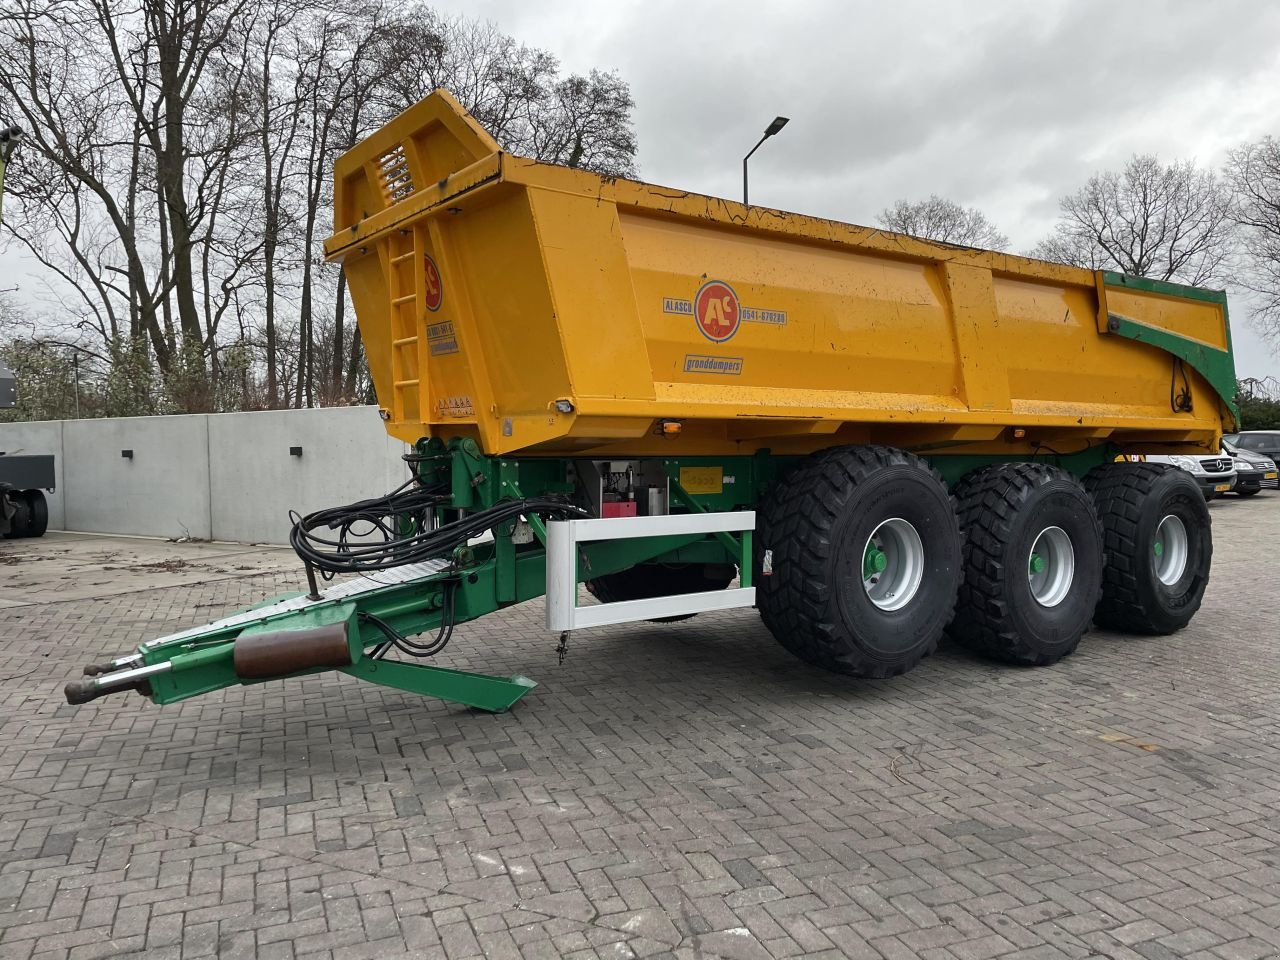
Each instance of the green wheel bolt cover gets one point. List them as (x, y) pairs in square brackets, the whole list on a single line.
[(1159, 548), (1037, 563)]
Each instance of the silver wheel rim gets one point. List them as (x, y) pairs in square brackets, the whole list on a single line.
[(1051, 567), (1170, 550), (893, 564)]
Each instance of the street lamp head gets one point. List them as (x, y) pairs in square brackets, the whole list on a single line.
[(9, 138), (778, 124)]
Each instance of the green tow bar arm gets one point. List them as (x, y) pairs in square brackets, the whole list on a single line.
[(294, 636), (351, 624)]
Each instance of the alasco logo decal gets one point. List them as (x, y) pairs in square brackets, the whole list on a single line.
[(717, 311), (434, 288), (719, 314)]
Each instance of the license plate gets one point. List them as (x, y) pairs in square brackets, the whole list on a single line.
[(1221, 487), (1270, 476)]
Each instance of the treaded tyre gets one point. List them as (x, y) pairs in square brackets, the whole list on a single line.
[(1158, 543), (863, 551), (646, 580), (37, 513), (1032, 563)]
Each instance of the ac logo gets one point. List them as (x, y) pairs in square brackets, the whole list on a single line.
[(433, 287), (717, 311)]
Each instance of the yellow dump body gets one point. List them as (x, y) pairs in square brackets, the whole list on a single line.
[(551, 311)]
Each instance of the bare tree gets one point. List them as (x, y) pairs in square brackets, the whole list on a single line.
[(178, 180), (1151, 220), (516, 93), (945, 221), (127, 109), (1253, 170)]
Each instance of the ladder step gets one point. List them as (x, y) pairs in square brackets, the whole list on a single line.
[(396, 301), (402, 257), (400, 384), (403, 341)]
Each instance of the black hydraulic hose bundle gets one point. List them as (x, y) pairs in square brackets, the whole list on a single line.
[(399, 522), (396, 530)]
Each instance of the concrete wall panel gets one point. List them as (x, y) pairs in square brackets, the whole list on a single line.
[(162, 491), (255, 481)]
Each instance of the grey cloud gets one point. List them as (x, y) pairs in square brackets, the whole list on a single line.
[(1006, 106)]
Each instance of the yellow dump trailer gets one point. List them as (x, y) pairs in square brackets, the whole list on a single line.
[(690, 405), (546, 310)]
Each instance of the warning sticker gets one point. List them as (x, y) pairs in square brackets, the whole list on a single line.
[(455, 407)]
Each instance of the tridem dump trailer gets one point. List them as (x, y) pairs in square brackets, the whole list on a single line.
[(689, 404)]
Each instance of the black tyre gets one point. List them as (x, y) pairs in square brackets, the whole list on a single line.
[(863, 552), (646, 580), (37, 521), (1158, 545), (1032, 563), (20, 516)]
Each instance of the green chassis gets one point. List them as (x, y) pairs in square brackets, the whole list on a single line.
[(490, 576)]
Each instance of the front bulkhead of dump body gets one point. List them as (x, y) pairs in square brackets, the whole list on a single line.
[(558, 312)]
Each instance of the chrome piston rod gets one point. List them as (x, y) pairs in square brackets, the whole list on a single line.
[(92, 687)]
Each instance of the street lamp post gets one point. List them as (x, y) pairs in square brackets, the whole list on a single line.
[(773, 128), (9, 138)]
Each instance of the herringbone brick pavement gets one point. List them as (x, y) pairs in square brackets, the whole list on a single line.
[(686, 790)]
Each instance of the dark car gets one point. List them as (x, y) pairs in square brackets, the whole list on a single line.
[(1265, 442)]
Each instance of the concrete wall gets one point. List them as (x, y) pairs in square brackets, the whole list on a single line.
[(163, 491), (346, 456), (216, 477)]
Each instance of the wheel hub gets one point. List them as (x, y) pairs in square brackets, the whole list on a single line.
[(893, 564), (1051, 568), (1170, 550)]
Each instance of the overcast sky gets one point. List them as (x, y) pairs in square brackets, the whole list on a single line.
[(1004, 106)]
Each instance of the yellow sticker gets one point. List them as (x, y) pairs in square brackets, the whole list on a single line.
[(702, 479)]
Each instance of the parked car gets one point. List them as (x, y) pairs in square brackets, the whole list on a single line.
[(1214, 475), (1252, 469), (1265, 442)]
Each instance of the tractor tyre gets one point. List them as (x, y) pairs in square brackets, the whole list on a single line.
[(1032, 563), (37, 513), (1158, 545), (859, 560)]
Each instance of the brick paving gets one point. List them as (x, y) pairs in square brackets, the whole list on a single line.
[(686, 790)]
